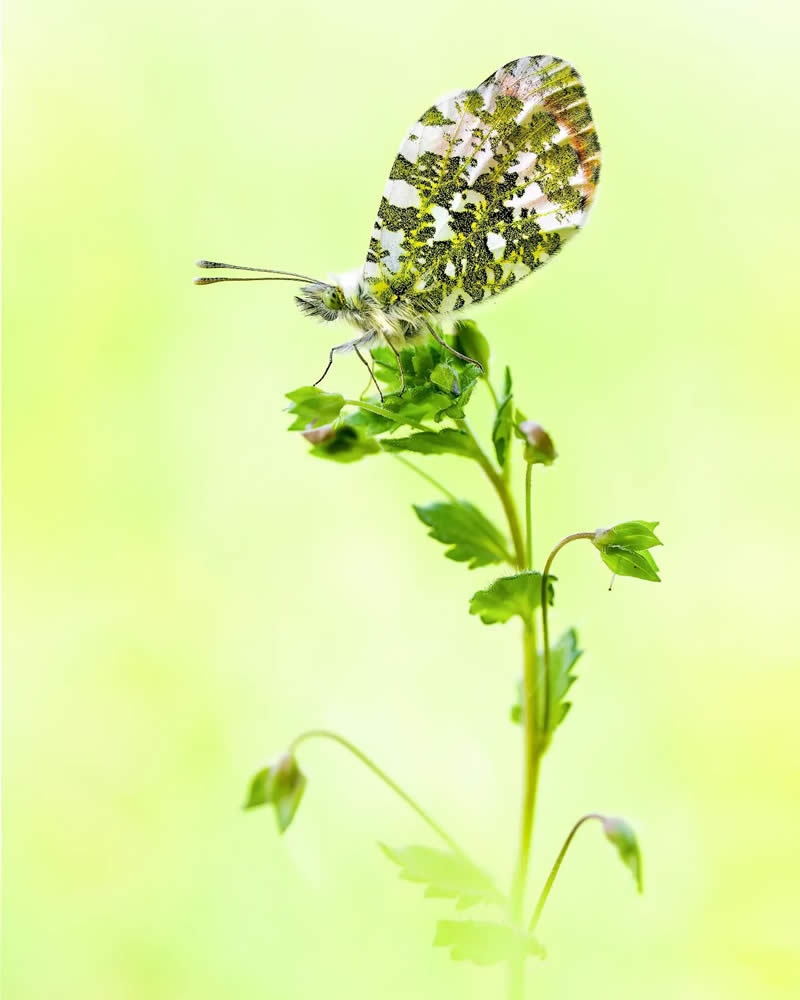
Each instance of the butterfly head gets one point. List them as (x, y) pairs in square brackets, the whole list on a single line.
[(323, 301)]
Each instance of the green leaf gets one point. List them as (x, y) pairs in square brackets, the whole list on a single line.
[(417, 403), (519, 594), (448, 441), (281, 785), (424, 359), (469, 340), (484, 942), (563, 657), (456, 410), (627, 562), (445, 874), (472, 537), (438, 385), (504, 422), (346, 443), (445, 377), (313, 406), (636, 535), (622, 836), (370, 423)]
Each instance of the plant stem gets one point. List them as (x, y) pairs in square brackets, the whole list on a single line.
[(430, 479), (532, 760), (528, 516), (329, 734), (554, 870), (503, 492), (381, 412), (530, 710), (545, 627)]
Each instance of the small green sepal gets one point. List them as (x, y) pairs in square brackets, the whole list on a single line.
[(281, 785), (636, 535), (626, 562)]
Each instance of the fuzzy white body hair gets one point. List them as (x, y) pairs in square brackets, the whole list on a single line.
[(353, 298)]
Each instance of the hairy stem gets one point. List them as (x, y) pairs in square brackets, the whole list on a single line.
[(528, 516), (329, 734), (555, 869), (532, 760), (531, 740), (545, 625)]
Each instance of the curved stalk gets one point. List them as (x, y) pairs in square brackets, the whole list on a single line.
[(329, 734), (545, 626), (555, 869), (430, 479)]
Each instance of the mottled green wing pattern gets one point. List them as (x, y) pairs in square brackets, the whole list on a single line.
[(487, 186)]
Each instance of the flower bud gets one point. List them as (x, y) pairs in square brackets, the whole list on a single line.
[(539, 449), (318, 435), (281, 785)]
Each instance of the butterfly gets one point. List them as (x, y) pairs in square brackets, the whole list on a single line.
[(488, 185)]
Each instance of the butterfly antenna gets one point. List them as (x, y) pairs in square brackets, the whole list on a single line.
[(273, 275)]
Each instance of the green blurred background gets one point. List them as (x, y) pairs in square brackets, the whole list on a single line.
[(185, 589)]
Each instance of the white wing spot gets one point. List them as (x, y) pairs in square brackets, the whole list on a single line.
[(495, 243), (404, 195)]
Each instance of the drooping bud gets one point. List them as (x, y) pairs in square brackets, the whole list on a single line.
[(281, 785), (539, 448), (625, 549), (621, 835), (317, 435)]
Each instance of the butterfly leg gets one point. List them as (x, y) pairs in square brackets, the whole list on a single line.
[(334, 350), (366, 364), (399, 365), (452, 350)]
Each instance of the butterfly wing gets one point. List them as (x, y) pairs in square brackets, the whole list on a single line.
[(489, 183)]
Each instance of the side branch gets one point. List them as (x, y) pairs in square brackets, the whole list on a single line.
[(329, 734), (545, 626), (555, 869)]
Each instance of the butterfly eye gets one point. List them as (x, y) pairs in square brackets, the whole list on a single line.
[(332, 299)]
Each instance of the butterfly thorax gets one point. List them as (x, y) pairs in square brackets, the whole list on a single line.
[(371, 305)]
